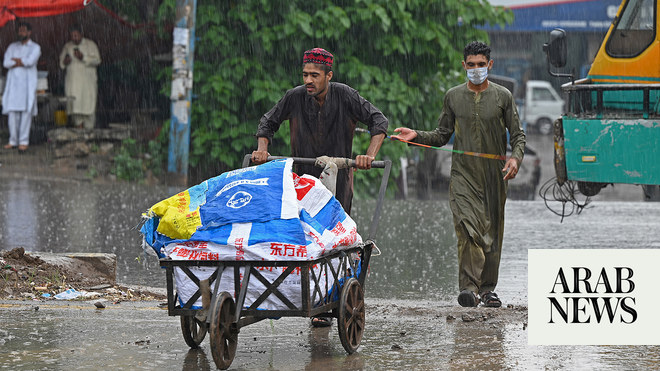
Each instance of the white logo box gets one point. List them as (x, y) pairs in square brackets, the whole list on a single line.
[(626, 279)]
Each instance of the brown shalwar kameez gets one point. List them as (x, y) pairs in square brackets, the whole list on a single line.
[(477, 191), (324, 130)]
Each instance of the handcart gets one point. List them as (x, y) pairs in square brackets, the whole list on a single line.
[(222, 315)]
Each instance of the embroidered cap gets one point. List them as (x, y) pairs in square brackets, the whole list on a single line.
[(318, 56)]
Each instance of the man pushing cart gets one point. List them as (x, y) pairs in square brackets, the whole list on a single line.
[(262, 242)]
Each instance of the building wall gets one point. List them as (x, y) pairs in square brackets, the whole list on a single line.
[(518, 47)]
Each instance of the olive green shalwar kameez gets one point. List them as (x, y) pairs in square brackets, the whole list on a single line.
[(477, 191)]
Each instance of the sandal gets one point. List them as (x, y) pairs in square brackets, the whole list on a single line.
[(9, 146), (491, 300), (468, 298), (321, 322)]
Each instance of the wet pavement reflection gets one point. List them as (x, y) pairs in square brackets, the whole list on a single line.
[(61, 216)]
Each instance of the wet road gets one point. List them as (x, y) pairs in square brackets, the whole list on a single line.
[(400, 335), (410, 291)]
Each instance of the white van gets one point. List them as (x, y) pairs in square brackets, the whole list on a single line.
[(541, 106)]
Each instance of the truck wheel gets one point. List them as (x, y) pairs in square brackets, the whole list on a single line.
[(545, 126), (651, 192), (590, 188), (560, 155)]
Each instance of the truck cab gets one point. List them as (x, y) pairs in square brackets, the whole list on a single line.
[(610, 132), (541, 106)]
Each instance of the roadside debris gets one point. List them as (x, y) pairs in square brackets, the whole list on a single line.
[(75, 294), (27, 277)]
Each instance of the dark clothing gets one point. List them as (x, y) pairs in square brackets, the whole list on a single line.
[(324, 130), (477, 191)]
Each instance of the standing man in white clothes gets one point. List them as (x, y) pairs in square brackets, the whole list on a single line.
[(19, 100), (80, 57)]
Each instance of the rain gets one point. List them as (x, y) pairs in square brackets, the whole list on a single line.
[(79, 191)]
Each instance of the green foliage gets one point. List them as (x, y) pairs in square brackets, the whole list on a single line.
[(136, 12), (127, 163), (129, 10), (134, 159), (402, 55), (92, 172)]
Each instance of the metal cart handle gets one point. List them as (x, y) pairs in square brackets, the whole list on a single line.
[(386, 165), (310, 161)]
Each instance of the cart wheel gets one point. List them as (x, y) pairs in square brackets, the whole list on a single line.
[(351, 315), (194, 331), (223, 338)]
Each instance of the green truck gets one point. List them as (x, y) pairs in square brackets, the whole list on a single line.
[(610, 132)]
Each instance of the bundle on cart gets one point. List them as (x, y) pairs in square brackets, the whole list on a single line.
[(258, 213)]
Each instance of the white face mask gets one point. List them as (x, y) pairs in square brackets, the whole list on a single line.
[(477, 75)]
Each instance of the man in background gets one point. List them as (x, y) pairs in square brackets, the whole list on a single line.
[(80, 57), (19, 99)]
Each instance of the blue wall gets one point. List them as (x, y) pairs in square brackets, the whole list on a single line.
[(590, 15)]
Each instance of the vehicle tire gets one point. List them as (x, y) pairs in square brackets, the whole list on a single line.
[(559, 155), (351, 315), (544, 126), (223, 335), (651, 192), (590, 189), (194, 331)]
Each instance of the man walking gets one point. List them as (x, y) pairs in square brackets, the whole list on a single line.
[(80, 57), (19, 99), (479, 113)]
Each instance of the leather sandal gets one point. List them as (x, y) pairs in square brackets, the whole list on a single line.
[(491, 300), (321, 322)]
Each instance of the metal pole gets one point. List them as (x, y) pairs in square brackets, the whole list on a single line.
[(183, 51)]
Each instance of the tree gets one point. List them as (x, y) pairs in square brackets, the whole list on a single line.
[(402, 55)]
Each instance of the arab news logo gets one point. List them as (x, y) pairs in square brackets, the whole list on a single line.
[(579, 296)]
